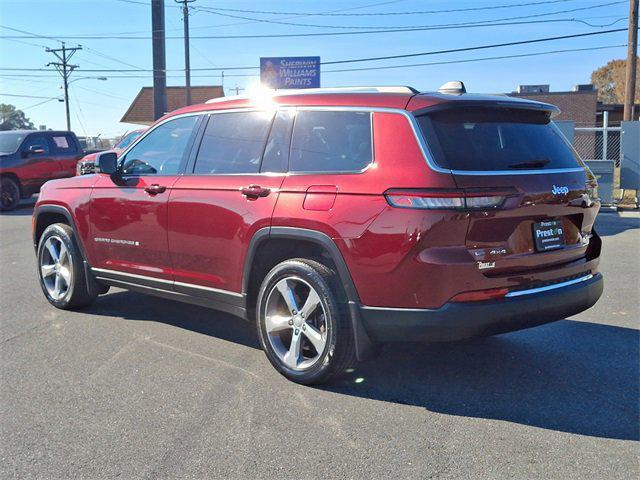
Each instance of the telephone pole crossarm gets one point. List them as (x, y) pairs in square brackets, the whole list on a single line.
[(65, 69)]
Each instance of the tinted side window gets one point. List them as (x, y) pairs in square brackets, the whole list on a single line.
[(233, 143), (331, 142), (276, 153), (64, 144), (162, 151), (37, 140)]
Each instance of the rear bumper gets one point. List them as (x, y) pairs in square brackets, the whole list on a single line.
[(458, 321)]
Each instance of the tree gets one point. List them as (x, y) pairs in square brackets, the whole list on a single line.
[(13, 119), (610, 81)]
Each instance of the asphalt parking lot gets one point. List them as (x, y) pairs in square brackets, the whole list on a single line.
[(139, 387)]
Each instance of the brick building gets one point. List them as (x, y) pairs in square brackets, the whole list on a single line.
[(141, 110), (579, 105)]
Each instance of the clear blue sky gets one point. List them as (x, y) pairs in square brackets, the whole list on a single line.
[(97, 106)]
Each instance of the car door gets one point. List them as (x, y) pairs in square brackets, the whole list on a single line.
[(229, 193), (128, 211), (67, 153), (40, 164)]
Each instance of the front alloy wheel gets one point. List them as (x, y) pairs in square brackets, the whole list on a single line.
[(56, 268), (61, 269)]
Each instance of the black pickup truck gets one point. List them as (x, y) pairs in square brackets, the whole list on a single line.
[(28, 158)]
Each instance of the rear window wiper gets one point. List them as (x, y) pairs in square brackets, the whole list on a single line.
[(531, 164)]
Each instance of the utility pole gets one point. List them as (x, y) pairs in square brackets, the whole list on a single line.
[(63, 67), (632, 52), (187, 63), (159, 59), (237, 89)]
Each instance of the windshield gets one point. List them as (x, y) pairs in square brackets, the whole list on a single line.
[(10, 141), (128, 139), (478, 138)]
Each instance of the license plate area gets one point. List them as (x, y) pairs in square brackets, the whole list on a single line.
[(548, 235)]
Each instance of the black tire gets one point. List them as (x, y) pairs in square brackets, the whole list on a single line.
[(77, 294), (9, 194), (339, 352)]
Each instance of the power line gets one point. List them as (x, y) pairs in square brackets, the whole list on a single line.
[(367, 59), (360, 14), (471, 60), (25, 96), (591, 7), (386, 67), (365, 30), (38, 104), (478, 47), (321, 34)]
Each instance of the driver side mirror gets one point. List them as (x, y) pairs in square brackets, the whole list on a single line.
[(107, 163), (34, 150)]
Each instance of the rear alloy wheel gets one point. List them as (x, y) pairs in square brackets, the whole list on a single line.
[(9, 194), (303, 324)]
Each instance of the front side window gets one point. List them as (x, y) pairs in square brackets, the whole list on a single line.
[(163, 150), (39, 141), (479, 138), (128, 139), (233, 143), (331, 141)]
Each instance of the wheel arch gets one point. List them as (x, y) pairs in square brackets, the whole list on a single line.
[(324, 243), (46, 215), (315, 237)]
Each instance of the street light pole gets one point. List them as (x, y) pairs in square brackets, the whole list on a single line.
[(187, 61)]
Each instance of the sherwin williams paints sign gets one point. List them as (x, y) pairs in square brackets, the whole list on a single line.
[(290, 72)]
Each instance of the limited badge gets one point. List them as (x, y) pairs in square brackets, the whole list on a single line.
[(485, 265)]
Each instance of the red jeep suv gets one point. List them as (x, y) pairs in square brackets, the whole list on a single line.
[(336, 219)]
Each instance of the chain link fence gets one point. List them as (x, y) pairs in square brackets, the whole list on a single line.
[(598, 143)]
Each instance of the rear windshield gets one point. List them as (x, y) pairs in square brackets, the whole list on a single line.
[(495, 139)]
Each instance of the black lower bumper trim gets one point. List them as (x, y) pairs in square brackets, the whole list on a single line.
[(459, 321)]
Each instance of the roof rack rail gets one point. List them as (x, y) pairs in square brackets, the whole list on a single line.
[(312, 91)]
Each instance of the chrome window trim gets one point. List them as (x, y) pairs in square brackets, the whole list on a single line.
[(417, 133), (531, 291)]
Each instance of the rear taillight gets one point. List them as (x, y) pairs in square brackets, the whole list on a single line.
[(456, 199)]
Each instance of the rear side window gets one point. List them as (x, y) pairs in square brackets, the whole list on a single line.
[(331, 141), (233, 143), (64, 144), (495, 139)]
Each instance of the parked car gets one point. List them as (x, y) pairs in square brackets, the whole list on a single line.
[(336, 220), (28, 158), (87, 164)]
